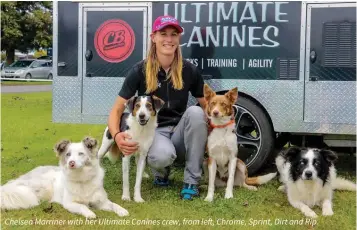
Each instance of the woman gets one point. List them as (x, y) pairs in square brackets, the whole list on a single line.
[(182, 131)]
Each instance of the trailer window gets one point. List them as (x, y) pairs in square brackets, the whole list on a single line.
[(339, 44)]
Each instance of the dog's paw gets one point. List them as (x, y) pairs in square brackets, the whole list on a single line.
[(281, 188), (122, 212), (228, 195), (209, 198), (89, 214), (252, 188), (138, 199), (327, 212), (125, 197), (311, 214)]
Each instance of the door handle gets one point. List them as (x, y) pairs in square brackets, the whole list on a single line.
[(313, 56), (89, 55), (313, 78)]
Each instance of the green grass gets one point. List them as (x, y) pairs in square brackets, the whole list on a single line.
[(26, 82), (28, 136)]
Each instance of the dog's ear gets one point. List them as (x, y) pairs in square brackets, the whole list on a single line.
[(208, 92), (329, 156), (61, 146), (157, 102), (291, 152), (90, 142), (130, 103), (232, 95)]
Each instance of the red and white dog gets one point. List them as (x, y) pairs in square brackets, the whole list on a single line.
[(223, 166)]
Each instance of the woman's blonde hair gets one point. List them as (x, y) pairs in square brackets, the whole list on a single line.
[(152, 67)]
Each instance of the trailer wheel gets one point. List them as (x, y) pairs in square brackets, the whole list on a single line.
[(255, 134)]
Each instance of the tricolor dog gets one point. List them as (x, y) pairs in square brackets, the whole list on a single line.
[(309, 178), (76, 183), (140, 123), (223, 166)]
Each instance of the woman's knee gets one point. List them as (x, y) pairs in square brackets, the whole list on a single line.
[(195, 113), (161, 156)]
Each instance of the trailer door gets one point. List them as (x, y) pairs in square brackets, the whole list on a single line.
[(330, 74), (114, 38)]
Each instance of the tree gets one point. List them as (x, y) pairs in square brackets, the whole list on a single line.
[(24, 26)]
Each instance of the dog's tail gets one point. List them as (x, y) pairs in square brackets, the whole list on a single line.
[(108, 148), (15, 196), (260, 179), (343, 184), (113, 153)]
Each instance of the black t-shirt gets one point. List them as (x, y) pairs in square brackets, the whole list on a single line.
[(175, 100)]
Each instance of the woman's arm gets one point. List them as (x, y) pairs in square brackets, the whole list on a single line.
[(202, 102), (115, 115)]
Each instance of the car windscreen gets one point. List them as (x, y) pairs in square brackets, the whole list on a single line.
[(21, 63)]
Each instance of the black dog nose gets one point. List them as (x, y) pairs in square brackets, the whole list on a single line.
[(141, 116), (308, 174), (215, 113)]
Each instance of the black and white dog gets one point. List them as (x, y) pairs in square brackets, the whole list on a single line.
[(76, 184), (140, 123), (309, 178)]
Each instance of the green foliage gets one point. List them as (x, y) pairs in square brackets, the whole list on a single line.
[(3, 56), (25, 25)]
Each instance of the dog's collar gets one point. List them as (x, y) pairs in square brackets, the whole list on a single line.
[(232, 121)]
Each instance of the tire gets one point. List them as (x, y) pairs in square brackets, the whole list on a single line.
[(28, 76), (50, 76), (252, 117)]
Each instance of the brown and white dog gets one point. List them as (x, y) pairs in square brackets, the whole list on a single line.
[(223, 166), (140, 123)]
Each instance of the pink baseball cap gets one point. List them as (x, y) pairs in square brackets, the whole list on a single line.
[(167, 20)]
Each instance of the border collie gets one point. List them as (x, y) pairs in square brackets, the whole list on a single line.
[(76, 183), (140, 123), (309, 178), (223, 166)]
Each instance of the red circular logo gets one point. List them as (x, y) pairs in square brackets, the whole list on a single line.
[(114, 40)]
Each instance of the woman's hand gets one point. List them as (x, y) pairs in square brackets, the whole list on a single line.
[(126, 147)]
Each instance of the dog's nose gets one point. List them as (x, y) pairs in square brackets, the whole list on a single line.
[(215, 113), (141, 116), (71, 163), (308, 174)]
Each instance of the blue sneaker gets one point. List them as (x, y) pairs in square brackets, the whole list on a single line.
[(189, 191), (163, 182)]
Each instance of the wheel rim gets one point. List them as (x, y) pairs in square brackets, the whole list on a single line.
[(248, 132)]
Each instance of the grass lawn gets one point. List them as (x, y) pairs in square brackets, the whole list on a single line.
[(26, 82), (28, 136)]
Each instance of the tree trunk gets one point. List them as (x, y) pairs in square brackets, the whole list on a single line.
[(10, 56)]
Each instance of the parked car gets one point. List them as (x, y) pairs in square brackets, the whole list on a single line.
[(44, 57), (29, 68)]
